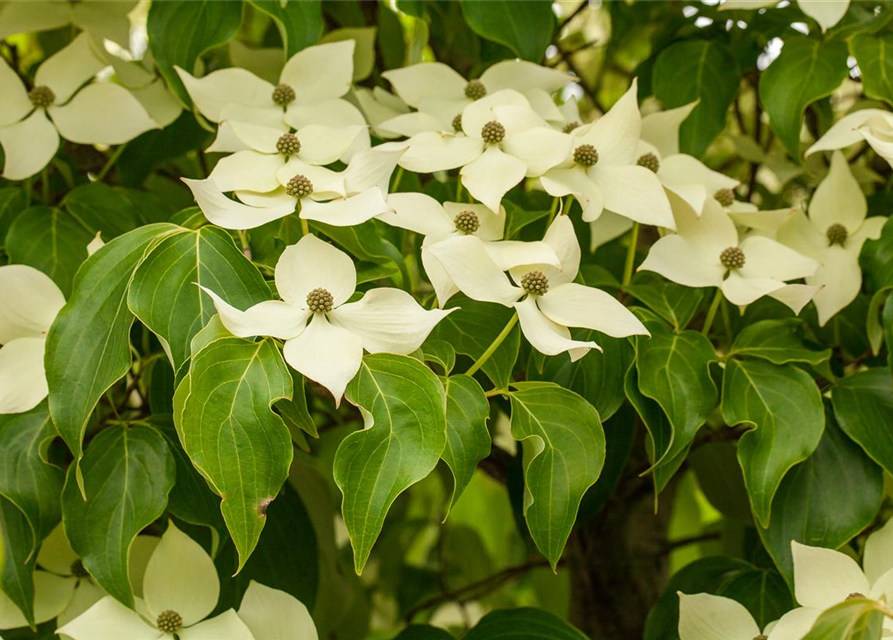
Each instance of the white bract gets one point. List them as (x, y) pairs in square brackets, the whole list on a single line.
[(379, 106), (600, 169), (833, 234), (97, 17), (703, 616), (546, 298), (30, 302), (706, 251), (180, 590), (826, 12), (272, 614), (341, 199), (874, 126), (315, 281), (436, 222), (32, 121)]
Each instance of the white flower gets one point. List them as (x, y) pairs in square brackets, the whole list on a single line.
[(600, 169), (826, 12), (824, 578), (436, 222), (833, 234), (32, 121), (52, 595), (140, 79), (342, 199), (180, 590), (547, 301), (703, 616), (315, 281), (707, 252), (379, 106), (102, 19), (272, 614), (30, 304), (875, 126), (440, 93)]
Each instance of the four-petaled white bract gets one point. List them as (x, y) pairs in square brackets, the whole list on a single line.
[(703, 616)]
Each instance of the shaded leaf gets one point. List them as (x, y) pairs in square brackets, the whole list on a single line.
[(300, 24), (468, 440), (778, 341), (874, 55), (524, 27), (863, 405), (523, 624)]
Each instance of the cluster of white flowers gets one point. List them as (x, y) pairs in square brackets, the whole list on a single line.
[(176, 587), (823, 578)]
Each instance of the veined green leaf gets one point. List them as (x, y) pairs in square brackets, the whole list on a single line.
[(874, 54), (784, 406), (524, 27), (403, 404), (127, 473), (17, 575), (673, 302), (12, 203), (778, 341), (100, 208), (856, 619), (863, 404), (223, 413), (468, 440), (564, 451), (300, 24)]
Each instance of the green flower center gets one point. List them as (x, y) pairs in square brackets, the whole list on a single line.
[(169, 621), (649, 161), (837, 234), (299, 186), (41, 96), (570, 126), (493, 132), (535, 283), (320, 300), (78, 570), (732, 258), (475, 90), (457, 123), (283, 94), (725, 197), (288, 144), (585, 155), (467, 222)]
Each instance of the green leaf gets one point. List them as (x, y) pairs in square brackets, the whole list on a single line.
[(300, 24), (876, 260), (761, 590), (806, 70), (295, 411), (222, 410), (17, 577), (697, 70), (128, 473), (674, 370), (524, 27), (564, 451), (778, 341), (49, 239), (439, 352), (783, 405), (473, 328), (468, 440), (88, 346), (672, 302), (856, 619), (174, 38), (523, 624), (12, 203), (863, 405), (99, 208), (27, 480), (423, 631), (874, 55), (402, 403), (165, 295), (824, 501)]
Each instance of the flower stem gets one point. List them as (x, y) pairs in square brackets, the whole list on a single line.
[(111, 162), (711, 312), (45, 185), (480, 362), (552, 212), (458, 189), (397, 180), (631, 254), (305, 227)]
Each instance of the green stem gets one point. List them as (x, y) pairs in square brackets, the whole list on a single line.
[(458, 189), (493, 346), (111, 162), (631, 254), (552, 211), (711, 312), (305, 227), (45, 185), (28, 192), (397, 180)]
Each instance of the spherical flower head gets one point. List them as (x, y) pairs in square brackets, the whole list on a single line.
[(320, 300), (288, 144), (649, 161), (283, 94), (725, 197), (457, 123), (837, 234), (732, 258), (78, 570), (570, 126), (467, 222), (493, 132), (169, 621), (475, 90), (41, 96), (299, 186), (585, 155), (535, 283)]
